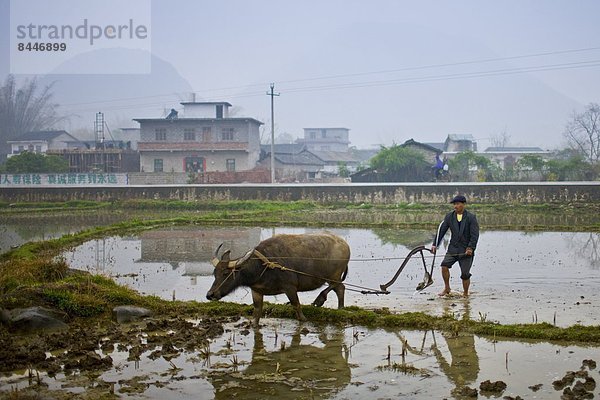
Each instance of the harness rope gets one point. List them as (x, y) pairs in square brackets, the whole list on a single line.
[(364, 259), (365, 290), (274, 265)]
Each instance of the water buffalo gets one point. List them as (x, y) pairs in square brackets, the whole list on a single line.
[(315, 259)]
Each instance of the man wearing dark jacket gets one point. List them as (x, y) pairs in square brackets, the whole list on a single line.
[(465, 234)]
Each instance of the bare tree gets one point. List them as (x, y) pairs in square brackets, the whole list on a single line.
[(501, 139), (583, 132), (24, 109)]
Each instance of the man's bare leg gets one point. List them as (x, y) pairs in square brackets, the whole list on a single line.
[(446, 277), (466, 284)]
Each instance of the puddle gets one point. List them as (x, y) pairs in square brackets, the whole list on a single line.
[(287, 360), (16, 230), (518, 277)]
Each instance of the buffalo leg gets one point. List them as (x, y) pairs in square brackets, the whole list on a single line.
[(322, 297), (339, 291), (257, 300), (293, 297)]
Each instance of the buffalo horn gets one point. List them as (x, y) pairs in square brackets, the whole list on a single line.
[(243, 259), (215, 259)]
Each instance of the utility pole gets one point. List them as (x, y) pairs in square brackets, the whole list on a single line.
[(272, 94)]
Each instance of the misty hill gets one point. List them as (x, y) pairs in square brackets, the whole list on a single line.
[(120, 97)]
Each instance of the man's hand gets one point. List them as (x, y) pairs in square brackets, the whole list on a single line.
[(469, 251), (433, 249)]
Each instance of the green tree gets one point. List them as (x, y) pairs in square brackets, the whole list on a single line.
[(570, 166), (398, 163), (27, 162), (24, 109), (343, 169), (464, 163), (531, 163)]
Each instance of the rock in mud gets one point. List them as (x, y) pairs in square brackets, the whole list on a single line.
[(124, 314), (465, 391), (566, 380), (93, 361), (36, 319), (591, 364), (492, 387), (537, 387), (589, 384)]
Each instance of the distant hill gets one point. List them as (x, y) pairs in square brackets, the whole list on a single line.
[(120, 97)]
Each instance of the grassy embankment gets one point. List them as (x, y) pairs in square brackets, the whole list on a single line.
[(33, 274)]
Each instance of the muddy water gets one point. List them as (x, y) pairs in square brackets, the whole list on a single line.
[(287, 360), (518, 277), (16, 230)]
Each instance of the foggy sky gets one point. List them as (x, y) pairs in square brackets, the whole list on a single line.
[(326, 60)]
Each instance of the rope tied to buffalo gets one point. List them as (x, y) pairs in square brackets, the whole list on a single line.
[(274, 265)]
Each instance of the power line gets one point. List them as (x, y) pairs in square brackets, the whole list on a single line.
[(389, 82), (325, 77)]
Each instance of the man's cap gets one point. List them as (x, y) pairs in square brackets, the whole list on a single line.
[(459, 199)]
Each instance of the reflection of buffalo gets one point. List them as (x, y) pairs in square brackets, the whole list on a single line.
[(306, 370)]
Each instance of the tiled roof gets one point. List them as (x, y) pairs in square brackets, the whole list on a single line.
[(303, 158), (335, 156), (39, 135), (419, 144)]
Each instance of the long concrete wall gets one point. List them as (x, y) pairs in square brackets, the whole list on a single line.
[(390, 193)]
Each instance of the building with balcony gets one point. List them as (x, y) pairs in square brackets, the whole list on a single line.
[(204, 139)]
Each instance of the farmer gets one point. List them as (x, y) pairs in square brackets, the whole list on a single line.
[(465, 233)]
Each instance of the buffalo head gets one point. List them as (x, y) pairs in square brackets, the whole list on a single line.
[(226, 278)]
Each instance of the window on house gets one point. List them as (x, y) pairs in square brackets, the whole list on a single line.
[(194, 164), (312, 135), (219, 111), (38, 148), (21, 149), (227, 134), (161, 134), (189, 134), (158, 165), (206, 134), (323, 133), (230, 164)]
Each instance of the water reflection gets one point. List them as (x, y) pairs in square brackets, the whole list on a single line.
[(513, 271), (457, 356), (16, 230), (586, 246), (463, 367), (295, 370), (192, 247), (407, 238)]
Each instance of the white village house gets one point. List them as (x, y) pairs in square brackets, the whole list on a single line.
[(204, 139)]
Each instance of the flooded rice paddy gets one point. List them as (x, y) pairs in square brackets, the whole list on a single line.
[(518, 277)]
